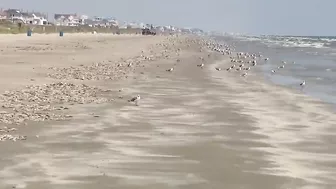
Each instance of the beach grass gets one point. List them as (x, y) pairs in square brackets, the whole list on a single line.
[(11, 28)]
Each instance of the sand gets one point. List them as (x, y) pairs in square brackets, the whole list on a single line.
[(193, 128)]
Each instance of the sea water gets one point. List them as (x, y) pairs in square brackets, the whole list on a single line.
[(311, 59)]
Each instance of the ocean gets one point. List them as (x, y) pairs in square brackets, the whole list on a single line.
[(308, 58)]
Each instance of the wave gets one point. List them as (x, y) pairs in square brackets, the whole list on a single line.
[(292, 41)]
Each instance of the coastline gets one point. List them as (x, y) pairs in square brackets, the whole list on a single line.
[(308, 62), (194, 127), (9, 28)]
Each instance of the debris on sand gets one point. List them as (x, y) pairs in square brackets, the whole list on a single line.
[(38, 103), (97, 71), (5, 137), (103, 71), (12, 137)]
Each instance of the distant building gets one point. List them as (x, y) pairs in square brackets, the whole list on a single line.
[(76, 20), (142, 25), (134, 25), (98, 18), (67, 20), (82, 19), (185, 30), (113, 22), (18, 16), (38, 19), (102, 22), (3, 15)]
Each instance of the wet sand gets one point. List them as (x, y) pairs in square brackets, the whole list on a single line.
[(193, 128)]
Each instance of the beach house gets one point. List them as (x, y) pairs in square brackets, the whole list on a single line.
[(101, 22), (3, 15), (38, 19), (15, 15), (67, 20), (83, 19), (18, 16)]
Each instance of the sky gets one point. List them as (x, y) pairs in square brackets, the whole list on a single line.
[(255, 17)]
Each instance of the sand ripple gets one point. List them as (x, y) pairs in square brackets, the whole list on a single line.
[(293, 124)]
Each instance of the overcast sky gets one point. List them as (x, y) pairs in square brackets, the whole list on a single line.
[(288, 17)]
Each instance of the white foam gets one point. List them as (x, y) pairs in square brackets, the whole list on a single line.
[(284, 41)]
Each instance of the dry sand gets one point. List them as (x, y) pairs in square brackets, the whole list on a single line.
[(193, 128)]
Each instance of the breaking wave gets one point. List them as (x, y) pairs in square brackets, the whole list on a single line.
[(293, 41)]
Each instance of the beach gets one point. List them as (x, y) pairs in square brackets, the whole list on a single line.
[(194, 127)]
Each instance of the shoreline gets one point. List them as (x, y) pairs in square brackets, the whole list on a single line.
[(300, 66), (287, 120), (262, 76), (192, 125)]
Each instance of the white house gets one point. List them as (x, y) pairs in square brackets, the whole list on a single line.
[(67, 20), (82, 19), (39, 20), (16, 15), (3, 15)]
